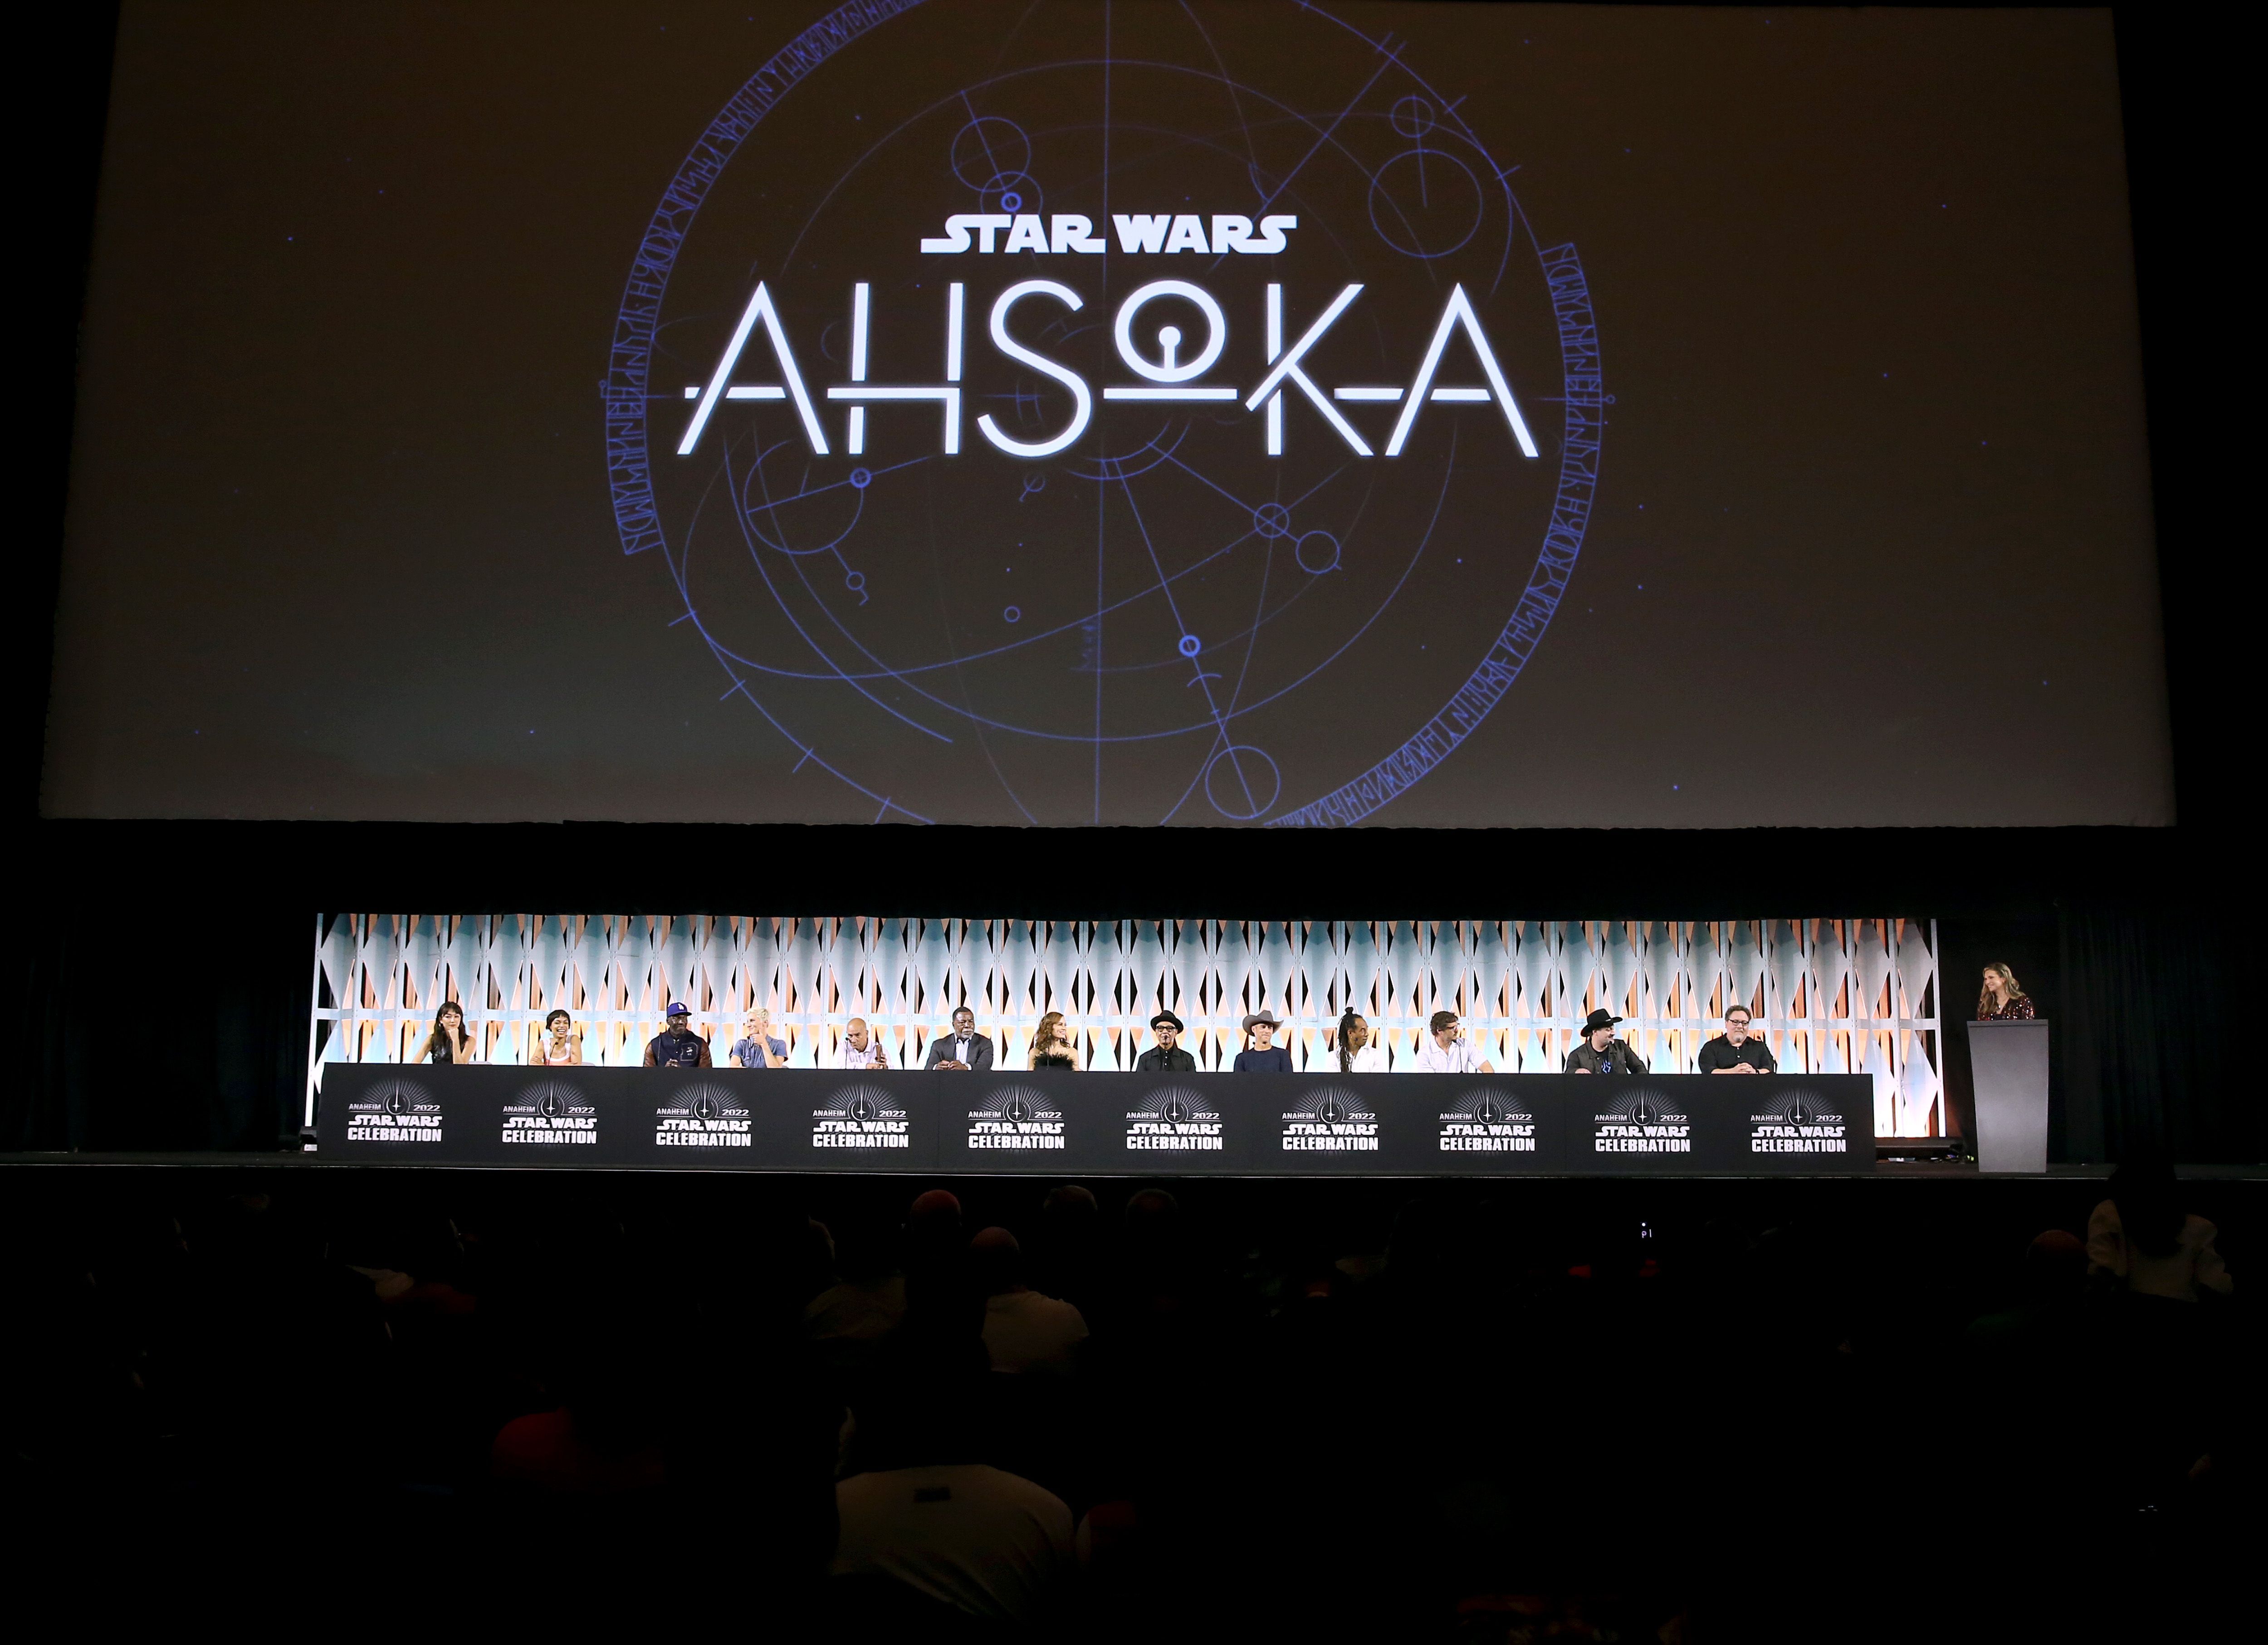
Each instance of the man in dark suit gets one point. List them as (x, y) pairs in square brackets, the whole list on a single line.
[(964, 1049)]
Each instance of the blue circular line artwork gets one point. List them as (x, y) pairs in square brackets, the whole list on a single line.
[(1105, 704)]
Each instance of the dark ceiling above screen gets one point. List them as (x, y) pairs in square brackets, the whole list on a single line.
[(1219, 414)]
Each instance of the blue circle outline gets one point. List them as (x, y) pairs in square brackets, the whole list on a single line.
[(626, 401)]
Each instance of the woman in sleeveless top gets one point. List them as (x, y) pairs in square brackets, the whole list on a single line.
[(561, 1046), (447, 1042), (1052, 1046)]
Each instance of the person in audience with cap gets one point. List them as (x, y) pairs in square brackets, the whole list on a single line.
[(1448, 1050), (1600, 1053), (1733, 1051), (860, 1048), (1167, 1055), (964, 1050), (1261, 1054), (677, 1046)]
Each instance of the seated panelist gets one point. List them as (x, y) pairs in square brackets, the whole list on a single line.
[(448, 1043), (1735, 1052), (758, 1047), (1167, 1055), (1260, 1053), (1358, 1052), (561, 1046), (1053, 1044), (964, 1050), (677, 1046), (1600, 1053), (861, 1048), (1450, 1051)]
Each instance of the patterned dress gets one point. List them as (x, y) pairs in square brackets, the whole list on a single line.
[(2017, 1010)]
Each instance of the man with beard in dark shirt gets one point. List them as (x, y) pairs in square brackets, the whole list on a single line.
[(1733, 1051), (677, 1046), (1600, 1053)]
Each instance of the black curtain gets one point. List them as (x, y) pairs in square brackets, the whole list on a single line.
[(140, 1031), (2144, 1035)]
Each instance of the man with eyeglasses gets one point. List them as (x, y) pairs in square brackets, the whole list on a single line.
[(1733, 1051), (1167, 1055), (1450, 1052)]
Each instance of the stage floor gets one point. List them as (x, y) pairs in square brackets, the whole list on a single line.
[(1885, 1170)]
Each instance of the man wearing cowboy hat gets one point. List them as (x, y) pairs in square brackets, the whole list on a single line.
[(1450, 1052), (1167, 1055), (1260, 1056), (1600, 1053)]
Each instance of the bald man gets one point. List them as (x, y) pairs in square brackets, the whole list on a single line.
[(860, 1048)]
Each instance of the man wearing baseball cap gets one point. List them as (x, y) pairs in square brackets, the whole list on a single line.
[(677, 1046), (1262, 1056), (1167, 1055), (1600, 1053)]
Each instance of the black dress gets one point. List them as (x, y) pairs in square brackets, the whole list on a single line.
[(1048, 1059)]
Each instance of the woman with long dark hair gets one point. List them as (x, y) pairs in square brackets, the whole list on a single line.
[(448, 1043), (1358, 1052), (2003, 999)]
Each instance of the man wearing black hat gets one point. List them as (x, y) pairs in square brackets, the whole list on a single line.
[(677, 1046), (1600, 1053), (1166, 1057)]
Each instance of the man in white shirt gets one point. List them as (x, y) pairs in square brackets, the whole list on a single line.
[(860, 1048), (988, 1543), (1450, 1052), (1024, 1331)]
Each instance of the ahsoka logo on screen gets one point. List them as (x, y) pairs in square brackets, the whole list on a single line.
[(1103, 415), (1169, 379)]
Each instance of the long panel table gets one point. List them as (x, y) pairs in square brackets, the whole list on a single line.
[(1055, 1122)]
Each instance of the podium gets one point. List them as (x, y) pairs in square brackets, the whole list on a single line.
[(2008, 1064)]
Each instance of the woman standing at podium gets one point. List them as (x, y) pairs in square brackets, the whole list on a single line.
[(2004, 999)]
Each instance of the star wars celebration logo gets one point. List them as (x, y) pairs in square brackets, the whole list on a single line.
[(861, 1117), (1175, 1120), (703, 1115), (1330, 1120), (1486, 1122), (551, 1111), (1643, 1122), (1798, 1122), (1019, 1117), (395, 1110)]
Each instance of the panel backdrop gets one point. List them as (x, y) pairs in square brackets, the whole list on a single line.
[(1831, 996)]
